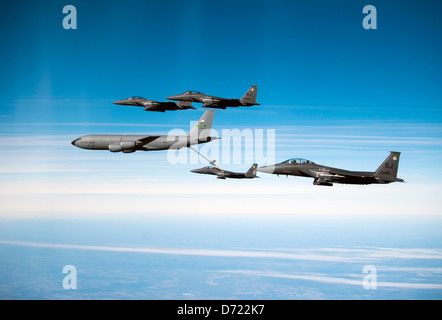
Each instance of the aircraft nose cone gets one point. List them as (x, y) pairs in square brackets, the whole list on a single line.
[(175, 97), (73, 142), (266, 169), (120, 102)]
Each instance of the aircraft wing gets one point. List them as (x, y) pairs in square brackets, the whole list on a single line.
[(322, 177), (322, 174), (161, 106), (150, 105), (220, 103), (146, 140), (221, 175), (350, 174), (184, 105), (213, 103)]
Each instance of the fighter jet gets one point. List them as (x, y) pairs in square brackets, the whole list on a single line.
[(223, 174), (150, 105), (249, 99), (326, 176), (200, 133)]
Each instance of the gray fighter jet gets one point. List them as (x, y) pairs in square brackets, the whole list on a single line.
[(200, 133), (249, 99), (150, 105), (326, 176), (223, 174)]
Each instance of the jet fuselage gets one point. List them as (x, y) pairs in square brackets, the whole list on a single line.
[(351, 177), (150, 105), (135, 142), (200, 133), (223, 174), (324, 175), (208, 101)]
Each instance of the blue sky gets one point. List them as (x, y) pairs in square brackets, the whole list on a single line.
[(308, 54), (331, 91)]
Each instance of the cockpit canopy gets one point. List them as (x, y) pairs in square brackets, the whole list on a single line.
[(209, 167), (297, 161), (192, 92), (135, 98)]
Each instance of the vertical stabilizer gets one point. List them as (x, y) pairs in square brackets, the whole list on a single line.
[(201, 130), (250, 97), (251, 173), (387, 171)]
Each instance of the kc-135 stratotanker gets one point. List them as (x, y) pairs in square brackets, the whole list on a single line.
[(200, 133)]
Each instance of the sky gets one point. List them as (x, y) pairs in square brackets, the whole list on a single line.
[(329, 91)]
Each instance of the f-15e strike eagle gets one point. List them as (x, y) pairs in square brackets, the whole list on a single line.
[(249, 99), (200, 133), (326, 176), (150, 105), (223, 174)]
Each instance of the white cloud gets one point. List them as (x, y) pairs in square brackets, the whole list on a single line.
[(335, 280), (314, 254), (114, 194), (294, 254), (193, 252)]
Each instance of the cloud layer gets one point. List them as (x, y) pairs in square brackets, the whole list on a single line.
[(379, 256)]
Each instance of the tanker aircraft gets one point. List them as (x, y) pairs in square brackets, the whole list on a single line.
[(200, 133)]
